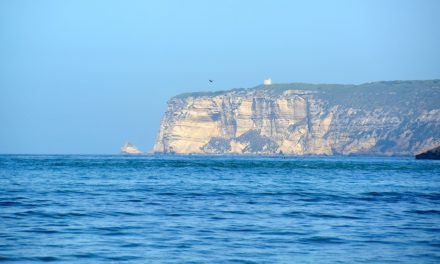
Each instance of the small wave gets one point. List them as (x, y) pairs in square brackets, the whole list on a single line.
[(4, 258), (234, 212), (282, 233), (123, 258), (42, 231), (47, 258), (84, 255), (18, 204), (167, 193), (426, 212), (245, 261), (10, 203), (323, 240), (240, 229), (21, 259), (381, 194), (431, 196), (336, 216), (294, 214), (134, 200), (115, 230), (132, 245), (218, 218), (55, 215)]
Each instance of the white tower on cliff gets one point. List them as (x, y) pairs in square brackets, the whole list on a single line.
[(267, 81)]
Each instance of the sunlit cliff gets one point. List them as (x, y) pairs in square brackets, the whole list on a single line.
[(381, 118)]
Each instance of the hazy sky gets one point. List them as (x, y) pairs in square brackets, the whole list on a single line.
[(86, 76)]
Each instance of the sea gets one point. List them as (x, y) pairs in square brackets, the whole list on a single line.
[(218, 209)]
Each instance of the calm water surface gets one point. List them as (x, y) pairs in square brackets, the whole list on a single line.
[(173, 209)]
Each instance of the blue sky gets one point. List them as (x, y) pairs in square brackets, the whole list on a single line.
[(85, 76)]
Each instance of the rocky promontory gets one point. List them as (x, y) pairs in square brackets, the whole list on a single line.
[(379, 118)]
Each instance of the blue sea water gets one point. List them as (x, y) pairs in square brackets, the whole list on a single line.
[(223, 209)]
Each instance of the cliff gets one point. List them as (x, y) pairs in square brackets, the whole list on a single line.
[(381, 118)]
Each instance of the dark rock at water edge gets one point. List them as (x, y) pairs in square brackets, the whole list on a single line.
[(430, 154)]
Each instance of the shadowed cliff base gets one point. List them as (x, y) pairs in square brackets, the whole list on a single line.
[(379, 118)]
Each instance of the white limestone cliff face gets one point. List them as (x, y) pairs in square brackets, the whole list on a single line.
[(290, 119)]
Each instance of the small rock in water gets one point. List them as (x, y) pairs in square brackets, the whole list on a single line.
[(129, 148)]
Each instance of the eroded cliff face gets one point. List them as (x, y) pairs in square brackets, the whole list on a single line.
[(387, 118)]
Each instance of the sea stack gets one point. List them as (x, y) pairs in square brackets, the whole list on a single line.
[(131, 149)]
